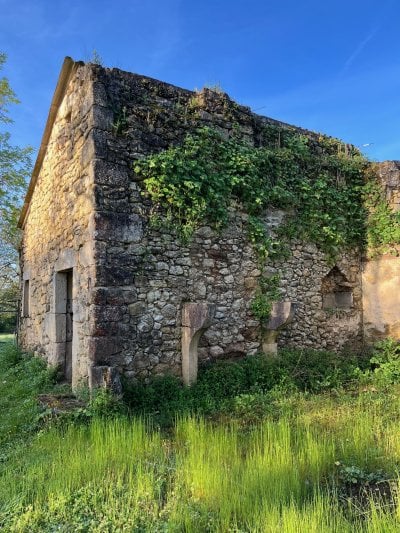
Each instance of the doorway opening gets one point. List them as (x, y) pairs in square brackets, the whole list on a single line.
[(65, 319), (69, 328)]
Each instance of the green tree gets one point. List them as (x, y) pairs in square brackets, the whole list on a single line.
[(15, 167)]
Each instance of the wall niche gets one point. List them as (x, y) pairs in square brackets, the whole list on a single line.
[(337, 291)]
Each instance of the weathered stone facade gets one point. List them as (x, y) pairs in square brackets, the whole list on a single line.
[(86, 215), (381, 275), (58, 231)]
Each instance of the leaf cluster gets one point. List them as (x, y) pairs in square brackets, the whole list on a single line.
[(197, 182), (383, 224), (15, 166), (266, 294)]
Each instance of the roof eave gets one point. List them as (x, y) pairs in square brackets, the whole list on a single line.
[(69, 66)]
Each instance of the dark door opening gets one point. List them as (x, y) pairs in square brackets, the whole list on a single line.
[(69, 327)]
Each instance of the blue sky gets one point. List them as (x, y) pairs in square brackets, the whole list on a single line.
[(332, 67)]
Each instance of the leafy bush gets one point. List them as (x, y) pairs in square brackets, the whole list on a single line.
[(355, 475), (104, 403), (385, 363), (245, 381), (160, 393), (318, 370), (8, 322), (250, 408)]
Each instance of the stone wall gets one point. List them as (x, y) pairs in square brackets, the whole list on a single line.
[(88, 214), (381, 275), (144, 275), (58, 232)]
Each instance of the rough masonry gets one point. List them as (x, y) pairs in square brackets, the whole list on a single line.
[(102, 289)]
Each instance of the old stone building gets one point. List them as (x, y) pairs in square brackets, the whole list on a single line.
[(105, 292)]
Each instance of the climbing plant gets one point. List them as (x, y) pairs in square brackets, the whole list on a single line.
[(198, 181), (383, 225), (319, 182), (266, 294)]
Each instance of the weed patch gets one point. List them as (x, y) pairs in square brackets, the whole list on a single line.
[(256, 445), (23, 378)]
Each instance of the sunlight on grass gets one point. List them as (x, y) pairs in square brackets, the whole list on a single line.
[(6, 337), (22, 379), (279, 462), (125, 476)]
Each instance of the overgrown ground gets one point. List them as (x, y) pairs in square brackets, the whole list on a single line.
[(309, 444), (6, 337)]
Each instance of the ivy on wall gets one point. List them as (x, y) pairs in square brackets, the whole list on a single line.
[(383, 223), (197, 182), (320, 183)]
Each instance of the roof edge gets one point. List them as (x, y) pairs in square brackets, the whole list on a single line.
[(69, 66)]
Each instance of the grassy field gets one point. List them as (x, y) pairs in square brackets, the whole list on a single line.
[(6, 337), (323, 462)]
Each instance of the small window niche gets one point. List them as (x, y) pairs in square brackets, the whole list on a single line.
[(337, 291), (26, 297)]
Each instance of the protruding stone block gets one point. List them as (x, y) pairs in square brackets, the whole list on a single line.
[(196, 318), (56, 354), (282, 313)]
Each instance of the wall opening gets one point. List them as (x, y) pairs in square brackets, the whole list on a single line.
[(337, 292), (26, 299), (64, 319), (69, 329)]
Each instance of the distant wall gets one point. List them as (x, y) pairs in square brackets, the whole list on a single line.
[(381, 275)]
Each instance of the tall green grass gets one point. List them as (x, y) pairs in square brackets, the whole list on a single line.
[(122, 475), (270, 460), (22, 379)]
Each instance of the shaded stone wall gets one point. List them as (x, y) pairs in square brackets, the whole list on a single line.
[(58, 232), (143, 275), (381, 275), (88, 213)]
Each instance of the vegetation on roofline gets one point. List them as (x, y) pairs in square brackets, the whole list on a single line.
[(328, 190), (324, 185)]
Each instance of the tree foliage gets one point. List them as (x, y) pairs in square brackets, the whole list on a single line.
[(15, 166)]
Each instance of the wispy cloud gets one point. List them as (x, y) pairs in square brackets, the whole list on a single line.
[(342, 107), (358, 50)]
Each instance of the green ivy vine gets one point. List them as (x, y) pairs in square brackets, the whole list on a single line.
[(198, 181), (383, 223), (320, 183), (266, 294)]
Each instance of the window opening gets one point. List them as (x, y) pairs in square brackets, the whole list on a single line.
[(336, 290)]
